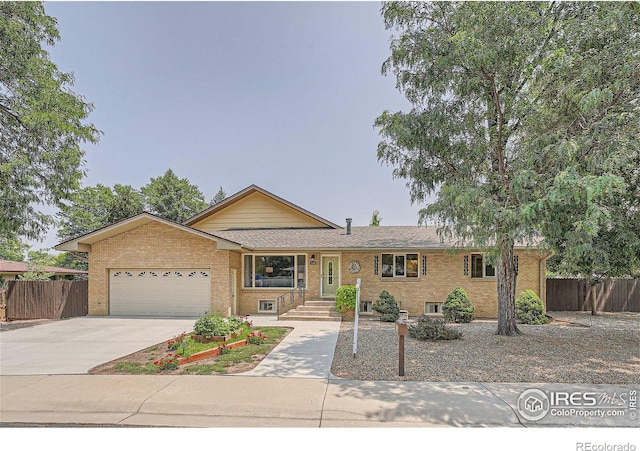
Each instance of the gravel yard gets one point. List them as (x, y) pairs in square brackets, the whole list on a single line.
[(574, 348)]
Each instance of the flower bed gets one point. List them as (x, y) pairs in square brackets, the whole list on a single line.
[(236, 356), (203, 339), (210, 352)]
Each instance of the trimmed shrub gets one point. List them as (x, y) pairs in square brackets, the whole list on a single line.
[(213, 325), (458, 307), (530, 309), (430, 328), (346, 298), (236, 322), (387, 306)]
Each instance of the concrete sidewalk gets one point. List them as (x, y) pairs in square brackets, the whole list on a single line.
[(248, 401), (307, 351)]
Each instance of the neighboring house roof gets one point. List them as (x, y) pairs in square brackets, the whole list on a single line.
[(83, 243), (11, 267), (364, 237), (233, 199)]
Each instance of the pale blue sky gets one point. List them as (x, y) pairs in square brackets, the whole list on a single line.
[(280, 94)]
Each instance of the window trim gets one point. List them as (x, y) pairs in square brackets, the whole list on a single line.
[(404, 275), (439, 304), (366, 312), (271, 301), (484, 268), (295, 256)]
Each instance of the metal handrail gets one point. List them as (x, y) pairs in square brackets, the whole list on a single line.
[(289, 298)]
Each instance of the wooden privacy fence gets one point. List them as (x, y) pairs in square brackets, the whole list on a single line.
[(47, 299), (619, 295)]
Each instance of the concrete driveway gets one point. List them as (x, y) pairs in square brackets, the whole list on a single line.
[(74, 346)]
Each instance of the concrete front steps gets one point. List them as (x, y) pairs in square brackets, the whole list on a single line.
[(313, 310)]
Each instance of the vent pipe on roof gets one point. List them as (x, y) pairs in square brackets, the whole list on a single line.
[(349, 226)]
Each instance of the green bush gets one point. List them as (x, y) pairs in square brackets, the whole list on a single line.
[(429, 328), (458, 307), (346, 298), (530, 309), (236, 322), (388, 308), (214, 325)]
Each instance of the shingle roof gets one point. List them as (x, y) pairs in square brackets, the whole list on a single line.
[(363, 237), (387, 237), (8, 266)]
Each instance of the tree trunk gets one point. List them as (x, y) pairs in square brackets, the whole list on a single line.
[(506, 277), (591, 297)]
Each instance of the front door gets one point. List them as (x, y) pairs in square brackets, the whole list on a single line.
[(330, 275)]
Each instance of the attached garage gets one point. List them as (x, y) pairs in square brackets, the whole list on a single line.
[(159, 292)]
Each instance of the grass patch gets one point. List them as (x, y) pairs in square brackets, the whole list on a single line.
[(135, 368), (239, 359), (241, 355), (193, 347)]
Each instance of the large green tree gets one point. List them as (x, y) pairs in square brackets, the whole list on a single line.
[(595, 244), (42, 122), (13, 250), (172, 197), (93, 207), (514, 104)]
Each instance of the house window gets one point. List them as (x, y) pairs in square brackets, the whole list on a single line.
[(424, 265), (480, 268), (301, 265), (400, 265), (366, 306), (433, 308), (274, 271), (266, 306), (376, 263)]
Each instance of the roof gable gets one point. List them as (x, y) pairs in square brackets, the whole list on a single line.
[(83, 243), (256, 208)]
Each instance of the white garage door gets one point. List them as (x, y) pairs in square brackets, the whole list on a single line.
[(159, 292)]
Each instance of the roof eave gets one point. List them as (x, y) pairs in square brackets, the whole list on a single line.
[(83, 243)]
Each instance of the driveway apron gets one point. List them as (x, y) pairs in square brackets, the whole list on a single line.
[(76, 345)]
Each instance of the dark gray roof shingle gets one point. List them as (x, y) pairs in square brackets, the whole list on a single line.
[(384, 237)]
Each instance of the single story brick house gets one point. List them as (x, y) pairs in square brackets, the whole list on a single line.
[(238, 256)]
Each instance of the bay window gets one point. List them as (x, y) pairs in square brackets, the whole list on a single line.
[(274, 271)]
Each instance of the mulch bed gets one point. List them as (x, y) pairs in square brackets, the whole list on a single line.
[(573, 348)]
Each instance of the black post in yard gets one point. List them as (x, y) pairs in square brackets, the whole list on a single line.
[(401, 356), (402, 329)]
